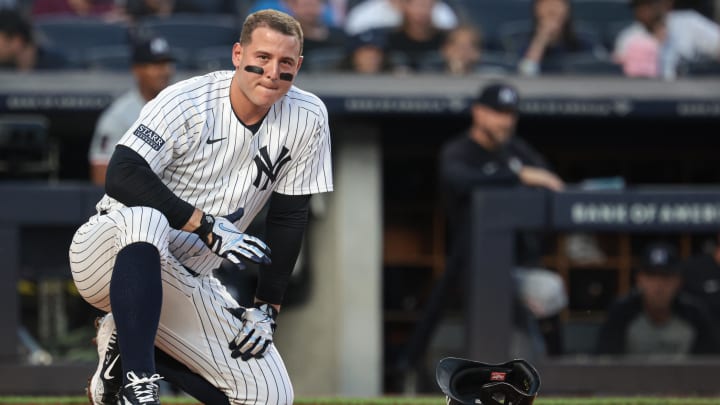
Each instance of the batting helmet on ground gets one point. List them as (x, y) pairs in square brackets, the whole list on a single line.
[(467, 382)]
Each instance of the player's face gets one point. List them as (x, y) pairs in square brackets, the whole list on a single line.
[(650, 13), (368, 59), (554, 10), (275, 53), (500, 124), (658, 290), (153, 77)]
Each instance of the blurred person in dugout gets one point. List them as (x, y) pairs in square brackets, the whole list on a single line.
[(702, 278), (489, 155), (662, 41), (553, 39), (19, 49), (657, 318), (152, 68)]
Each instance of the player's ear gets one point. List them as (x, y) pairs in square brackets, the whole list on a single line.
[(299, 63), (237, 50)]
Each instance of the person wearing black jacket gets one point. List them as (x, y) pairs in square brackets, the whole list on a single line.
[(657, 318), (489, 155)]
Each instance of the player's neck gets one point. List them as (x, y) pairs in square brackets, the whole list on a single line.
[(478, 135)]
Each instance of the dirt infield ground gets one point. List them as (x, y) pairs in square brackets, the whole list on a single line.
[(391, 401)]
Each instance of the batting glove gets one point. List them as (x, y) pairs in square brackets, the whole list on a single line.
[(255, 335), (229, 242)]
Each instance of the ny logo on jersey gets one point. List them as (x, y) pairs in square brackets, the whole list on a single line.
[(267, 167)]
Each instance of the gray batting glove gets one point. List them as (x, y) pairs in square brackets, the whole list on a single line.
[(230, 243), (255, 335)]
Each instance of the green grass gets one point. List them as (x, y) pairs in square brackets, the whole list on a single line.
[(391, 401)]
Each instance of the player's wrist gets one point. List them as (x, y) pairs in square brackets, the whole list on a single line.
[(269, 309), (204, 230)]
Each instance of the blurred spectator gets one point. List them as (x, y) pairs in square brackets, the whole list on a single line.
[(18, 49), (656, 318), (329, 16), (417, 38), (553, 39), (136, 9), (702, 279), (704, 7), (206, 6), (679, 36), (462, 54), (152, 68), (372, 14), (317, 34), (489, 155), (76, 8), (366, 54)]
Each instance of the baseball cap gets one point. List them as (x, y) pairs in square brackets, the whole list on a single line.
[(660, 258), (151, 50), (499, 96)]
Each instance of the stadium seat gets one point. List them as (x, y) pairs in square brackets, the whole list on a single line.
[(591, 64), (74, 36), (700, 68), (116, 58), (514, 35), (607, 16), (191, 32), (323, 59), (213, 58)]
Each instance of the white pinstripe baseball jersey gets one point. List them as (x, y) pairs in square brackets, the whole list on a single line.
[(192, 140)]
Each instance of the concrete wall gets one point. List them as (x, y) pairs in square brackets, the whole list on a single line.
[(332, 345)]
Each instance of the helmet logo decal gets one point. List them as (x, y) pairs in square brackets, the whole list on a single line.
[(497, 376)]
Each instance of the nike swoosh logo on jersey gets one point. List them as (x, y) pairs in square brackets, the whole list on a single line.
[(106, 374), (212, 141)]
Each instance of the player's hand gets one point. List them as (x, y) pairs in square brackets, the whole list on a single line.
[(255, 335), (226, 240)]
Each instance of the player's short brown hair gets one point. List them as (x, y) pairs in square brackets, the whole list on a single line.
[(273, 19)]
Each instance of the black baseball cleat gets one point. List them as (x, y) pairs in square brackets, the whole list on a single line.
[(105, 384), (141, 390)]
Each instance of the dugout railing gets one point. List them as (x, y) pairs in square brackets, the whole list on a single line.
[(498, 214)]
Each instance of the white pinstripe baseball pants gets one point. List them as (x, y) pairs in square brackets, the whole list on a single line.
[(194, 326)]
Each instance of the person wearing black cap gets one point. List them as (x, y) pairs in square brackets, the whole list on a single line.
[(152, 68), (489, 155), (656, 318)]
